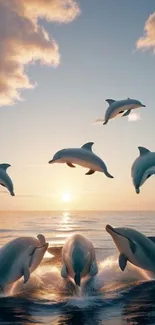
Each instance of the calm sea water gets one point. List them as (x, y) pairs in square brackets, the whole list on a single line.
[(123, 297)]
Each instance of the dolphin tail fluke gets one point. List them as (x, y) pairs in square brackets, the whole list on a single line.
[(77, 278), (108, 175)]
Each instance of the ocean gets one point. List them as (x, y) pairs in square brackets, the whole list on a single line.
[(122, 298)]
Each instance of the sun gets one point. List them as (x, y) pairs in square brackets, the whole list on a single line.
[(66, 197)]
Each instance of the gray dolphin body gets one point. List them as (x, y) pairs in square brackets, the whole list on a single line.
[(81, 156), (117, 107), (20, 257), (142, 168), (5, 180), (78, 258), (133, 247)]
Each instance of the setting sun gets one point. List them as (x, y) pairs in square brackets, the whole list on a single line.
[(66, 197)]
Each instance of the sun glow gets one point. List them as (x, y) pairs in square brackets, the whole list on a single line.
[(66, 197)]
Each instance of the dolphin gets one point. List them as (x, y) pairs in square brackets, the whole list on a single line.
[(5, 180), (84, 157), (142, 168), (78, 259), (20, 257), (117, 107), (134, 247)]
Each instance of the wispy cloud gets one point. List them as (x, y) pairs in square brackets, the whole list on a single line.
[(23, 40), (148, 40), (134, 117)]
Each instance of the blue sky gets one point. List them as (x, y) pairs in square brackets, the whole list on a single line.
[(99, 60)]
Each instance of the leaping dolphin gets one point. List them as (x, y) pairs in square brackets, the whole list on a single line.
[(134, 247), (5, 180), (78, 259), (20, 257), (142, 168), (117, 107), (84, 157)]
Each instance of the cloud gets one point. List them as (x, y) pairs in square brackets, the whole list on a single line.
[(148, 40), (134, 117), (23, 40)]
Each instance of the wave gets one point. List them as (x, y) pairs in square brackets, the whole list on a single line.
[(47, 294)]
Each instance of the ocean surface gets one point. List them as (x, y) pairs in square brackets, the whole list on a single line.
[(119, 298)]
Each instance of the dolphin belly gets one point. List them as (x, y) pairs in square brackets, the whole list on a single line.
[(78, 256), (87, 164)]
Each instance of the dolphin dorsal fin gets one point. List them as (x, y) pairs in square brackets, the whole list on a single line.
[(5, 166), (110, 101), (88, 146), (143, 151)]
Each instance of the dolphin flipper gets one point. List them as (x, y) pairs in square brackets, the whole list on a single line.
[(90, 172), (26, 273), (127, 113), (122, 261), (70, 164), (64, 273), (93, 269)]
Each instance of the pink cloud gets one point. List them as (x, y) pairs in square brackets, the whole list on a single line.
[(148, 40), (23, 40)]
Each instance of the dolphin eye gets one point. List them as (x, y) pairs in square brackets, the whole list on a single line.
[(148, 176)]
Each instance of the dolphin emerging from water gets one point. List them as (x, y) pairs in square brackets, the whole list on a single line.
[(117, 107), (5, 180), (84, 157), (133, 247), (143, 167), (78, 258), (20, 257)]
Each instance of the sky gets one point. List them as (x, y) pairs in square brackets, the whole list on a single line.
[(60, 60)]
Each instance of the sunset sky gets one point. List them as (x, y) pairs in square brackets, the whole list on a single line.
[(59, 61)]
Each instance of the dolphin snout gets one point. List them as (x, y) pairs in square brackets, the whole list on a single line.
[(137, 190), (109, 228), (143, 105), (77, 279), (51, 161)]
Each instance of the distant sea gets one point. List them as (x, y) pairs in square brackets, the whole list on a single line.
[(124, 297)]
